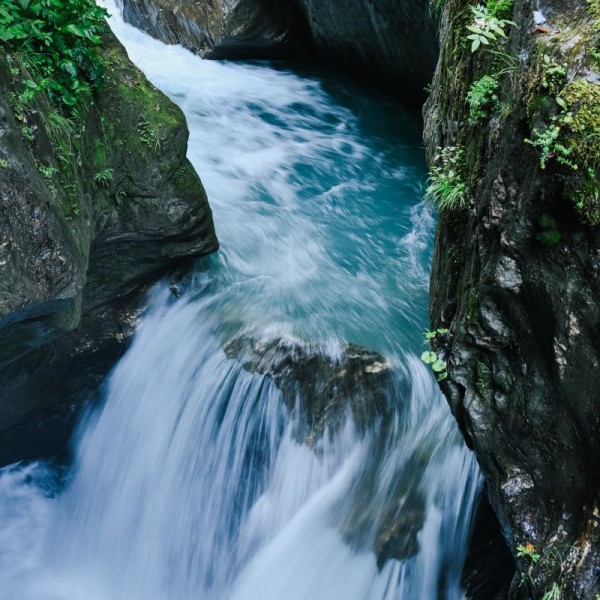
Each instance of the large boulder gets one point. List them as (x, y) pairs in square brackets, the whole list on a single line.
[(93, 210)]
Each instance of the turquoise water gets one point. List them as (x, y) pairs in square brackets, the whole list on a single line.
[(315, 185)]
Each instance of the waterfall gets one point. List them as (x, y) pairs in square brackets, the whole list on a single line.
[(196, 478)]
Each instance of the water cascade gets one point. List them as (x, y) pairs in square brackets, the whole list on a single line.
[(202, 477)]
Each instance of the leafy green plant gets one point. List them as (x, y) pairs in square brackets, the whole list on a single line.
[(103, 177), (437, 363), (553, 73), (57, 43), (28, 132), (47, 172), (485, 27), (547, 141), (447, 188), (482, 97), (502, 9), (3, 163), (528, 550), (149, 133), (553, 593)]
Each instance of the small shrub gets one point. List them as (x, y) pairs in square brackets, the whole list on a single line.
[(104, 177), (447, 188), (482, 98), (485, 27)]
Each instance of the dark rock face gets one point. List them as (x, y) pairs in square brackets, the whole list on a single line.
[(489, 565), (236, 29), (322, 392), (392, 43), (523, 348), (78, 252)]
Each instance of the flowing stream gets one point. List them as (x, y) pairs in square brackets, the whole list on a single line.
[(192, 481)]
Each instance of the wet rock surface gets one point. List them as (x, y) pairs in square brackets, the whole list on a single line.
[(322, 390), (523, 348), (76, 255), (392, 43)]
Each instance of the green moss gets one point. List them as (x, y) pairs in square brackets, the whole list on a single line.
[(581, 135), (548, 234)]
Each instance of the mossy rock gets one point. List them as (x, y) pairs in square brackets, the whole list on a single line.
[(582, 138)]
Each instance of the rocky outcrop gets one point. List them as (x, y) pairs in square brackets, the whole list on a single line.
[(389, 42), (93, 210), (516, 275), (225, 28), (322, 391)]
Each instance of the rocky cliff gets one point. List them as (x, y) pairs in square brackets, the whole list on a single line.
[(389, 42), (93, 209), (512, 133)]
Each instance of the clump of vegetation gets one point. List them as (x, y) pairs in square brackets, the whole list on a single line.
[(528, 551), (482, 98), (549, 143), (447, 188), (581, 132), (501, 9), (485, 28), (103, 177), (553, 74), (437, 363), (572, 139), (57, 45), (149, 134)]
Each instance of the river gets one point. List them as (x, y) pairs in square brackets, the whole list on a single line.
[(191, 481)]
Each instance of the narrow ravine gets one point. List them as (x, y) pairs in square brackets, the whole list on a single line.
[(194, 480)]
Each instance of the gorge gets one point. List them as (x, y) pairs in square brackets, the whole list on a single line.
[(271, 432)]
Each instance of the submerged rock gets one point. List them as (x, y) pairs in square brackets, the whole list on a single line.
[(322, 390), (89, 219), (390, 42)]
